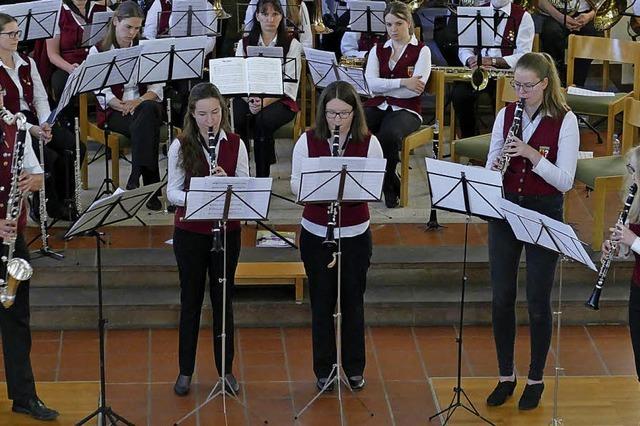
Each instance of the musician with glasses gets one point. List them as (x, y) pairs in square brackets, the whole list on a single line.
[(627, 240), (555, 28), (514, 32), (339, 105), (542, 162)]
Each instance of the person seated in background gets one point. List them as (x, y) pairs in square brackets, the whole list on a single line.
[(297, 15)]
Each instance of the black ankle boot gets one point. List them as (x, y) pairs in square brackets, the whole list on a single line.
[(531, 396), (501, 393), (134, 178)]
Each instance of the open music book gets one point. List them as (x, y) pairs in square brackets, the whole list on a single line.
[(247, 76)]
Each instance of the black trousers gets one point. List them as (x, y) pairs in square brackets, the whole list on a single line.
[(323, 292), (553, 38), (261, 127), (143, 129), (16, 337), (504, 260), (465, 100), (634, 323), (195, 260)]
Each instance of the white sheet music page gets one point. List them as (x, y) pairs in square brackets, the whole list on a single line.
[(266, 76), (358, 16), (568, 242), (467, 30), (44, 17), (484, 188), (187, 63), (97, 63), (229, 75), (96, 30), (526, 224), (266, 51), (320, 179), (355, 77), (201, 21), (206, 198), (321, 66)]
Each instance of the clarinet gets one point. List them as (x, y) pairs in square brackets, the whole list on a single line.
[(217, 230), (503, 161), (332, 211), (433, 215), (594, 299), (76, 167)]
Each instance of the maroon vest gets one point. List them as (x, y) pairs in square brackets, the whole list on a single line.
[(12, 96), (71, 34), (510, 34), (635, 278), (118, 91), (228, 160), (519, 178), (368, 40), (286, 100), (351, 213), (401, 70), (6, 156), (163, 20)]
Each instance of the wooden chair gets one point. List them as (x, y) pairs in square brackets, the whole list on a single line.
[(420, 137), (606, 50)]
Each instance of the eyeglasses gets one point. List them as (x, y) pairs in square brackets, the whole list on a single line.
[(525, 87), (13, 34), (339, 114), (630, 169)]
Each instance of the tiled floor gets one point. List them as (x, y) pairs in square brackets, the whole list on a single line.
[(274, 368)]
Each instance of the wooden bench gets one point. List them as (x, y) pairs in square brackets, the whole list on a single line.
[(272, 273)]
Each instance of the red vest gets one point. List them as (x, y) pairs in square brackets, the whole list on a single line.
[(510, 34), (368, 40), (401, 70), (6, 154), (12, 96), (519, 178), (163, 19), (227, 159), (635, 278), (286, 100), (71, 34), (352, 213)]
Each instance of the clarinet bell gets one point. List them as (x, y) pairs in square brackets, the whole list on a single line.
[(594, 300)]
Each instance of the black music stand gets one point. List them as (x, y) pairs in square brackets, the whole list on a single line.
[(325, 181), (224, 199), (191, 21), (373, 18), (324, 70), (107, 211), (36, 20), (473, 191)]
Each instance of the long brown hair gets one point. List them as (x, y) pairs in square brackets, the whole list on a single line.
[(190, 145), (282, 35), (346, 93), (554, 102), (126, 9), (400, 11), (5, 19)]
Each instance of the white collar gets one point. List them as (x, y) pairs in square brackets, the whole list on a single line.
[(17, 59), (506, 10), (273, 42), (413, 40)]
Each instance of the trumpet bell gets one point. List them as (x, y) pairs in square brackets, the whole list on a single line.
[(219, 10)]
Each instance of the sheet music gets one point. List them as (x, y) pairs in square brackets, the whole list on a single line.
[(68, 93), (96, 65), (203, 19), (467, 31), (266, 51), (188, 59), (484, 188), (579, 91), (320, 178), (250, 198), (355, 77), (266, 76), (97, 29), (321, 64), (229, 75), (44, 17), (358, 16)]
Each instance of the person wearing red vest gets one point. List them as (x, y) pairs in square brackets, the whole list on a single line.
[(193, 241), (397, 72), (339, 105), (266, 115), (131, 109), (297, 18), (14, 321), (513, 38), (25, 93), (542, 167), (626, 237)]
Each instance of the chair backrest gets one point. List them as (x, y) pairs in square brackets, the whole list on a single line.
[(536, 43), (631, 124), (604, 49), (504, 92)]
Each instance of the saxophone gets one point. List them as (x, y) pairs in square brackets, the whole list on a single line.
[(16, 269), (503, 161), (76, 169)]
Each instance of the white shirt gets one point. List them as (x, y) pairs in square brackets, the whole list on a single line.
[(349, 45), (130, 91), (392, 86), (40, 98), (305, 36), (300, 152), (150, 30), (561, 174), (523, 41), (176, 175), (291, 68)]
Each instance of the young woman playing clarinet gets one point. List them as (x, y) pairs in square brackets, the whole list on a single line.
[(626, 237), (266, 115), (397, 71), (205, 124), (132, 110), (542, 155), (338, 107)]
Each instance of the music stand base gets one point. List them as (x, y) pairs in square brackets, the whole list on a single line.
[(47, 252), (455, 403), (114, 418)]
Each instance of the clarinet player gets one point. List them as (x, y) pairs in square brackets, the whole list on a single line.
[(542, 166)]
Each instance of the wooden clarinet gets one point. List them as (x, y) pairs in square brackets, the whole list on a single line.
[(213, 164), (332, 211), (504, 159)]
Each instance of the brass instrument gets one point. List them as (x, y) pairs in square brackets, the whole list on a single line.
[(17, 269), (571, 5), (213, 142), (318, 25), (478, 77), (413, 5), (609, 15), (504, 159), (594, 299), (76, 170), (353, 62), (332, 211), (219, 10), (530, 6)]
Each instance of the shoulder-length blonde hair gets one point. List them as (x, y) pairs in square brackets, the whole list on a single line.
[(554, 102)]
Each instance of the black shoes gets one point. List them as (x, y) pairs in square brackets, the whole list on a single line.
[(356, 383), (134, 179), (35, 408), (531, 396), (231, 384), (182, 386), (501, 393), (322, 385)]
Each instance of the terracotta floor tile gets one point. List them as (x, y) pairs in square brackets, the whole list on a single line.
[(81, 367), (44, 367), (297, 340), (400, 365), (367, 411), (417, 235), (385, 234), (128, 368), (44, 335), (440, 357), (127, 341), (128, 237), (393, 339), (45, 347), (164, 366), (266, 390)]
